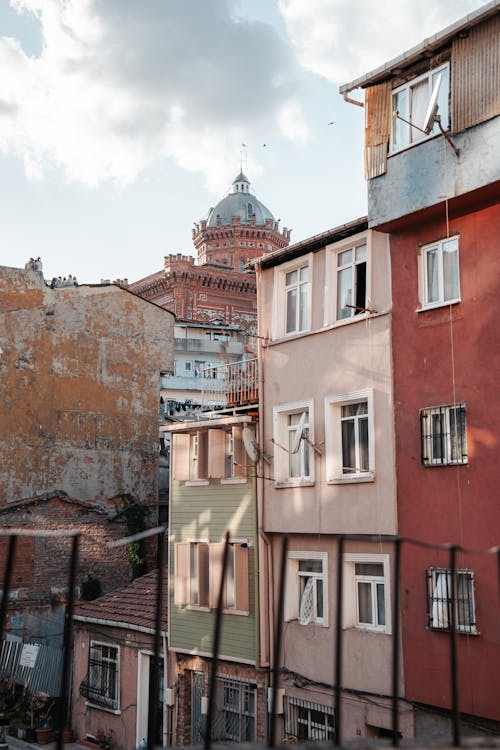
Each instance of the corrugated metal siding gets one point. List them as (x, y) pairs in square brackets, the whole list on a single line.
[(475, 85), (378, 128), (45, 676), (206, 512)]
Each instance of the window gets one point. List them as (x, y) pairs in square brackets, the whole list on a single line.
[(292, 298), (198, 569), (410, 102), (293, 441), (235, 710), (441, 604), (306, 597), (216, 453), (366, 591), (306, 720), (190, 456), (351, 282), (443, 434), (440, 273), (350, 437), (102, 684)]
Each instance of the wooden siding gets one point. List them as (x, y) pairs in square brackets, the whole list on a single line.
[(475, 84), (206, 512), (378, 128)]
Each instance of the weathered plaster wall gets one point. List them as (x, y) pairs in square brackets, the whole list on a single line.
[(429, 172), (79, 384)]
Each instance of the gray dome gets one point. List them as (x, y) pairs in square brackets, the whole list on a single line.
[(241, 203)]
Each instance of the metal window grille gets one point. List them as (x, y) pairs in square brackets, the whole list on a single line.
[(101, 683), (235, 710), (443, 434), (306, 720), (440, 601)]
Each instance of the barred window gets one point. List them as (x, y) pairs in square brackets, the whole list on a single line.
[(306, 720), (101, 685), (235, 710), (443, 432), (441, 604)]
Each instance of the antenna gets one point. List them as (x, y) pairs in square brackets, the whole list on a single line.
[(432, 109)]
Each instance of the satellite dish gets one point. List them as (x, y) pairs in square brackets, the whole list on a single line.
[(299, 433), (432, 109), (250, 443)]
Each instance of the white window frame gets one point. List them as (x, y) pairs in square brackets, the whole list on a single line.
[(331, 278), (427, 440), (108, 704), (333, 437), (316, 732), (418, 136), (350, 594), (293, 595), (438, 603), (280, 439), (425, 304), (279, 297)]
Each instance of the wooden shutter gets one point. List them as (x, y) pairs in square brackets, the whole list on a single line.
[(216, 557), (475, 75), (203, 574), (216, 453), (239, 453), (292, 590), (377, 128), (182, 572), (241, 578), (202, 472), (180, 456)]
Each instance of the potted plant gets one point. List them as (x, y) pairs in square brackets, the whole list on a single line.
[(104, 739), (42, 705)]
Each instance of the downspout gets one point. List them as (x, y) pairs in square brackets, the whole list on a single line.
[(265, 547), (352, 101), (165, 683)]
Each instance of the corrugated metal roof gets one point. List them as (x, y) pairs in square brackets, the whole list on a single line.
[(431, 44)]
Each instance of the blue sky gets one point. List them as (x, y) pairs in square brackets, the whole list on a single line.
[(121, 122)]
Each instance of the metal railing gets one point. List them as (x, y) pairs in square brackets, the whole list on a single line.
[(332, 728), (235, 384)]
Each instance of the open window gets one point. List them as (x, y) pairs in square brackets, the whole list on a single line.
[(306, 598), (410, 103), (293, 443)]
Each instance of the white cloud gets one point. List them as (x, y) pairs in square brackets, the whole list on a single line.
[(342, 39), (121, 83)]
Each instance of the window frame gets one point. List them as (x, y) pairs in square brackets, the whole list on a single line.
[(351, 600), (279, 297), (424, 250), (282, 455), (293, 593), (331, 278), (334, 460), (407, 86), (293, 705), (108, 704), (427, 437), (446, 601)]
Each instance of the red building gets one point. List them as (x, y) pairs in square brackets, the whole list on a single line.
[(436, 194), (216, 286)]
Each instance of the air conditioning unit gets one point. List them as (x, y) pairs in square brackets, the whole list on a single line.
[(279, 700)]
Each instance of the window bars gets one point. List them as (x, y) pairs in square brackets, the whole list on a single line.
[(443, 435), (450, 608)]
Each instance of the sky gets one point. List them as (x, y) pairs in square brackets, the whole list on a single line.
[(122, 122)]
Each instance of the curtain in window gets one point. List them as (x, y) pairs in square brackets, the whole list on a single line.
[(306, 611), (440, 600), (419, 103), (450, 270), (432, 268)]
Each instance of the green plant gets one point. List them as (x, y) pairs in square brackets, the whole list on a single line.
[(90, 589), (41, 709), (104, 739)]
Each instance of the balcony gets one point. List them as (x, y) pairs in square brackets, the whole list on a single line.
[(235, 384), (199, 346)]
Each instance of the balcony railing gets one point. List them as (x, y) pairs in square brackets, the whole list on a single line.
[(235, 384)]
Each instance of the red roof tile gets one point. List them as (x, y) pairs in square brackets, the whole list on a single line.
[(133, 604)]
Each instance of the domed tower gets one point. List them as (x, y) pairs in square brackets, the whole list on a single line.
[(239, 228)]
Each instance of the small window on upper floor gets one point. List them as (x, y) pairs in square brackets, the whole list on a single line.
[(409, 107), (293, 441), (443, 435), (292, 298), (439, 273), (449, 600), (306, 595), (347, 281)]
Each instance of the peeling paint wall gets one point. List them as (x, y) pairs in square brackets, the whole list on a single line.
[(79, 387)]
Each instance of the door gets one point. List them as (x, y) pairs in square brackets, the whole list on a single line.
[(144, 669)]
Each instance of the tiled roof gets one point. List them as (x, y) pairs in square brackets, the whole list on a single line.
[(132, 605)]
